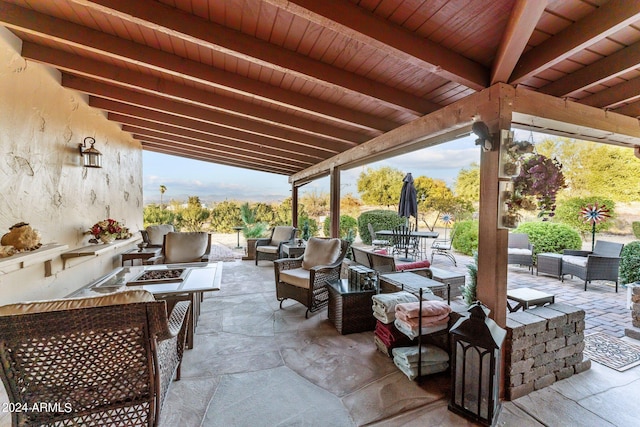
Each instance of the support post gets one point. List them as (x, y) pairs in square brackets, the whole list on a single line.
[(294, 204), (334, 201)]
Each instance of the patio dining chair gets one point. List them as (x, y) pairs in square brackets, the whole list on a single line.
[(404, 242), (444, 247), (375, 242)]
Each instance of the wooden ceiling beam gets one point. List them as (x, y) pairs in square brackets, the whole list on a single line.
[(181, 122), (632, 109), (151, 102), (84, 38), (362, 26), (77, 65), (177, 129), (160, 148), (600, 71), (207, 34), (598, 25), (217, 144), (522, 22), (618, 94), (216, 154)]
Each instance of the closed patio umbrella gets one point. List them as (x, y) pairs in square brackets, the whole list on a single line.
[(408, 199)]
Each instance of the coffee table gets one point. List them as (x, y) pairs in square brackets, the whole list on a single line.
[(349, 307), (527, 297), (199, 277), (412, 282)]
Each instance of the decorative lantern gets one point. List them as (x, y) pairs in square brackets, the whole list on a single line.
[(92, 157), (475, 366)]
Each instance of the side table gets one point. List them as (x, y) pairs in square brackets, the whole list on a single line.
[(349, 308), (143, 255), (549, 263), (293, 250), (527, 298)]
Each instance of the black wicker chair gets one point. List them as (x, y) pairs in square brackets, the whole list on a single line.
[(90, 365), (520, 250), (308, 286), (601, 264)]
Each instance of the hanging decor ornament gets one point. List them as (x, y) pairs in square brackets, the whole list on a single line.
[(595, 214), (537, 185)]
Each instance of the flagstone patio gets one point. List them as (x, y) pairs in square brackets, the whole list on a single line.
[(257, 365)]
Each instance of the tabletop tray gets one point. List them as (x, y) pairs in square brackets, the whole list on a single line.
[(159, 276)]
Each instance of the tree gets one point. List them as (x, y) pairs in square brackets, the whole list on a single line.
[(467, 185), (435, 198), (380, 187), (316, 203), (350, 205), (163, 189), (154, 214), (193, 216)]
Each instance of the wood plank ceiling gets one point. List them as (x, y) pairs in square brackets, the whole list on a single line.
[(280, 85)]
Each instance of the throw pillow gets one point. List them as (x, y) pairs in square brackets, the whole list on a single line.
[(320, 252), (413, 265)]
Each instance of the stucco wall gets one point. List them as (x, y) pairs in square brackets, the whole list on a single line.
[(42, 181)]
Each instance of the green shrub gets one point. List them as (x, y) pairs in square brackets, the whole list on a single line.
[(550, 237), (348, 226), (568, 213), (380, 219), (630, 263), (312, 225), (469, 290), (635, 226), (466, 237)]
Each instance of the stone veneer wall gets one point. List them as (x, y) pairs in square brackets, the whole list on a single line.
[(543, 345), (42, 180)]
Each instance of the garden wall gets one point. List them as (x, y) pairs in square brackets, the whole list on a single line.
[(543, 345)]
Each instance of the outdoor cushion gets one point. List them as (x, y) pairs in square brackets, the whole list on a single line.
[(116, 298), (518, 251), (185, 246), (320, 252), (575, 260), (267, 249), (381, 252), (413, 265), (156, 233), (282, 233), (297, 277)]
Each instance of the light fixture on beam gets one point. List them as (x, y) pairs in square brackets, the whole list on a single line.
[(91, 156), (485, 139)]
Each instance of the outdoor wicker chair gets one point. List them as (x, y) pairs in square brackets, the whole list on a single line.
[(105, 360), (601, 264), (153, 235), (520, 250), (271, 248), (181, 247), (304, 279)]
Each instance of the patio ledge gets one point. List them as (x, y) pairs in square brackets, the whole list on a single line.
[(44, 254), (95, 250)]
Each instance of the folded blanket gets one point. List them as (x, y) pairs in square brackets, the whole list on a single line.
[(426, 320), (430, 354), (384, 317), (387, 302), (412, 373), (429, 308), (382, 346), (413, 332)]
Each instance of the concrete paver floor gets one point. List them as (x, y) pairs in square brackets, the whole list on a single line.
[(255, 364)]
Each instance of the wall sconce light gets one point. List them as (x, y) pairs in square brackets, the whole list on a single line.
[(92, 157), (485, 139)]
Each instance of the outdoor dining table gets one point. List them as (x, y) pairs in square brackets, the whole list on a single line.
[(422, 235)]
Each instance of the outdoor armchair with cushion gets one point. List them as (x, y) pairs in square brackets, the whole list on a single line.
[(106, 360), (304, 279), (181, 247), (601, 264), (271, 248), (520, 250), (153, 235)]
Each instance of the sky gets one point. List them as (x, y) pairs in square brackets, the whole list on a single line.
[(214, 183)]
